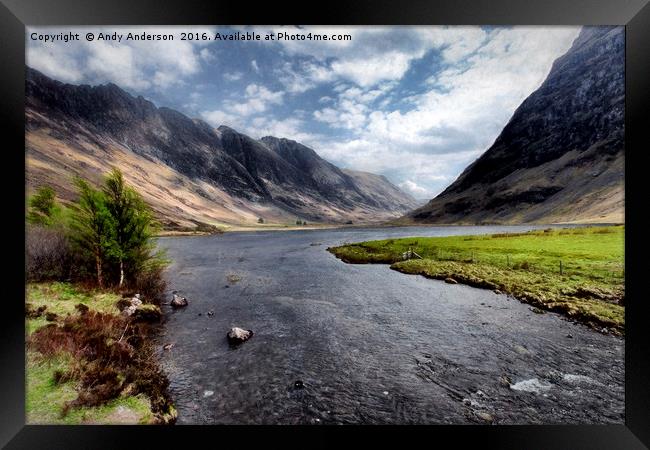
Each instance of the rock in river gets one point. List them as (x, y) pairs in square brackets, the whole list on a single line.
[(178, 301), (238, 335)]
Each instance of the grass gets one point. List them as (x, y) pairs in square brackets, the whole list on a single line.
[(578, 272), (61, 297), (56, 372), (46, 398)]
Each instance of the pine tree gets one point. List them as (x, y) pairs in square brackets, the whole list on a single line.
[(134, 224), (43, 207), (93, 226)]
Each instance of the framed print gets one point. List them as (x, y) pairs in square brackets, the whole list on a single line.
[(385, 220)]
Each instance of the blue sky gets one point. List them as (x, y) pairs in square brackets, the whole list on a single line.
[(416, 104)]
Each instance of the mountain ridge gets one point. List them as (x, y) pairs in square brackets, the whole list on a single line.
[(560, 157), (228, 176)]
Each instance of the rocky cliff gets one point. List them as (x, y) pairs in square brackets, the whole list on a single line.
[(560, 158)]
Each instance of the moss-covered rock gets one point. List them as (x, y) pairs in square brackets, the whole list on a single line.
[(147, 313)]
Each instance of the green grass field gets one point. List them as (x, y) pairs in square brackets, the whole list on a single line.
[(578, 272), (45, 397)]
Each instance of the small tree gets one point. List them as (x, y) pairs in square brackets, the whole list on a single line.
[(131, 218), (133, 223), (43, 207), (93, 226), (260, 220), (298, 222)]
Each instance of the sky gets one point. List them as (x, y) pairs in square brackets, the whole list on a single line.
[(416, 104)]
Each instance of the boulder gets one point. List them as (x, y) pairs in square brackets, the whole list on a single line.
[(238, 335), (135, 301), (178, 301), (123, 303), (129, 310), (146, 313)]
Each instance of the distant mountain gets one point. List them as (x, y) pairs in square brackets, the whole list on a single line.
[(560, 158), (187, 170)]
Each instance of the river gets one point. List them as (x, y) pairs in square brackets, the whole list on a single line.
[(336, 343)]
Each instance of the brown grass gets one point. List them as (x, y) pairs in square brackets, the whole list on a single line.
[(112, 355)]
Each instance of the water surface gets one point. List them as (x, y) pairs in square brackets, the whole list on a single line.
[(370, 345)]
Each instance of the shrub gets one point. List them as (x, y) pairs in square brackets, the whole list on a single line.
[(112, 355), (48, 254), (42, 207), (108, 235), (149, 281)]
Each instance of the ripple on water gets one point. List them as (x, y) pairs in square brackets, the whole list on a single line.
[(532, 385)]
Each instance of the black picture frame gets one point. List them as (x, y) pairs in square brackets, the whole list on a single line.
[(16, 14)]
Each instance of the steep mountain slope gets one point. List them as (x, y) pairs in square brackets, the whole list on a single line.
[(186, 169), (345, 187), (560, 158)]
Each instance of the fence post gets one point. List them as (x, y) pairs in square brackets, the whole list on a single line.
[(561, 268)]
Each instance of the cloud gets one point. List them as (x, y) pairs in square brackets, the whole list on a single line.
[(416, 104), (453, 120), (207, 55), (289, 128), (259, 98), (414, 189), (137, 65), (242, 114), (232, 76), (218, 117), (370, 71)]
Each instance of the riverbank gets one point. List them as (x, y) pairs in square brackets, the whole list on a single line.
[(87, 363), (578, 272), (254, 228)]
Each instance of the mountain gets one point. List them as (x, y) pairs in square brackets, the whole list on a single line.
[(190, 172), (560, 158)]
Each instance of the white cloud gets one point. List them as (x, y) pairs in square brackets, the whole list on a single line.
[(370, 71), (207, 55), (486, 77), (241, 114), (290, 128), (138, 65), (259, 98), (232, 76), (414, 189), (217, 117), (421, 127)]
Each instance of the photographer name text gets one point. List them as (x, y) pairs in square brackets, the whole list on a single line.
[(188, 36)]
